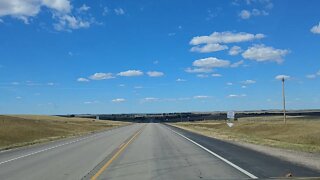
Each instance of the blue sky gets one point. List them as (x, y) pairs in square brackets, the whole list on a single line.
[(67, 56)]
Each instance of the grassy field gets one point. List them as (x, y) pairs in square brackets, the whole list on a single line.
[(21, 130), (300, 133)]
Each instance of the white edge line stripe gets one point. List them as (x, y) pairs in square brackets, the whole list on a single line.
[(53, 147), (218, 156)]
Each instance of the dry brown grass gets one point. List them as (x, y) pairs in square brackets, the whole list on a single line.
[(20, 130), (300, 133)]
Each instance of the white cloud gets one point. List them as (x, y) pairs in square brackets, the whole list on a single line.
[(155, 74), (225, 37), (236, 95), (119, 11), (101, 76), (229, 83), (210, 62), (15, 83), (105, 11), (82, 80), (235, 50), (118, 100), (311, 76), (83, 8), (18, 97), (68, 22), (137, 87), (245, 14), (91, 102), (216, 75), (263, 53), (198, 70), (24, 9), (51, 84), (280, 77), (181, 80), (150, 99), (248, 81), (202, 75), (61, 11), (59, 5), (237, 64), (201, 97), (243, 86), (316, 29), (130, 73), (209, 48)]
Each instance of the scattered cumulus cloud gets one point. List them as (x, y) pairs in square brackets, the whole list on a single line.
[(198, 70), (262, 53), (316, 29), (105, 11), (18, 97), (235, 50), (155, 74), (237, 64), (101, 76), (15, 83), (281, 76), (225, 38), (24, 9), (236, 95), (61, 11), (181, 80), (229, 83), (248, 82), (82, 80), (311, 76), (90, 102), (68, 22), (245, 14), (216, 75), (83, 8), (208, 48), (118, 100), (119, 11), (131, 73), (202, 75), (150, 99), (201, 97), (210, 62)]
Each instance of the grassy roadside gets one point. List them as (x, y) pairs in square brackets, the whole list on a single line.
[(300, 133), (22, 130)]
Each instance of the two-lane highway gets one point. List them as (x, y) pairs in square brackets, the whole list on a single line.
[(142, 151), (159, 153)]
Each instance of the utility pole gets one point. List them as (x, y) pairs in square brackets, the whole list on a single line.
[(284, 103)]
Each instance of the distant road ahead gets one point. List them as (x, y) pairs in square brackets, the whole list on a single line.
[(142, 151)]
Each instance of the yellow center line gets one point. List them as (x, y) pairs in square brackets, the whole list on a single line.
[(123, 147)]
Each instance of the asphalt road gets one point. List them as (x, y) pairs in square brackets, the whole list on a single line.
[(142, 151)]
